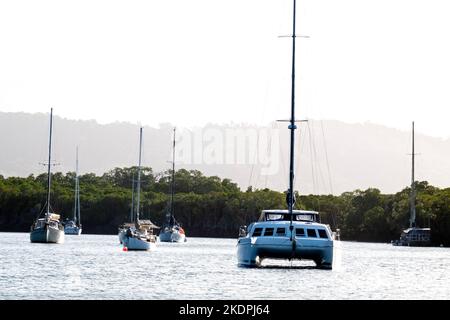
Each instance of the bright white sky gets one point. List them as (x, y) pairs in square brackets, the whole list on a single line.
[(199, 61)]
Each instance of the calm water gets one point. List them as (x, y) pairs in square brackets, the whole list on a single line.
[(95, 267)]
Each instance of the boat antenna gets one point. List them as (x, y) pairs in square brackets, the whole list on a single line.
[(49, 162), (139, 176), (412, 219), (172, 188), (292, 127)]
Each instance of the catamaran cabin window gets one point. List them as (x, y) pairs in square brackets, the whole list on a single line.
[(268, 232), (281, 231), (274, 216), (257, 232), (322, 233), (299, 232), (311, 233), (304, 217)]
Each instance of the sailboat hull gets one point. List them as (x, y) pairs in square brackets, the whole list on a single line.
[(132, 243), (72, 230), (172, 236), (47, 234)]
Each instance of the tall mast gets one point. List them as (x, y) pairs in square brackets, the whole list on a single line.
[(139, 177), (292, 127), (412, 219), (78, 193), (76, 209), (132, 198), (49, 164), (172, 189)]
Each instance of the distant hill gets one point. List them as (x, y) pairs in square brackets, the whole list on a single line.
[(359, 155)]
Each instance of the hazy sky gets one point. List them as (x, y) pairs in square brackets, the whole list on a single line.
[(198, 61)]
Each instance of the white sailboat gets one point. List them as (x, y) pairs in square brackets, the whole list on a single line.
[(138, 234), (413, 236), (287, 234), (73, 226), (172, 231), (48, 229)]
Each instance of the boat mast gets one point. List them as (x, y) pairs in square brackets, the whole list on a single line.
[(412, 219), (76, 210), (139, 177), (132, 198), (48, 164), (172, 189), (78, 193), (292, 127)]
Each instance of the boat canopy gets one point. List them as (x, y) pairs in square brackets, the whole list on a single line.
[(283, 215), (147, 224), (128, 224), (417, 230), (54, 216)]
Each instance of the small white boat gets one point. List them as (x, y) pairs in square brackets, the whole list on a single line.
[(272, 237), (73, 227), (48, 229), (137, 234), (287, 234), (173, 233), (172, 230)]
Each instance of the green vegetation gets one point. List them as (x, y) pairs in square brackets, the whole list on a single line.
[(214, 207)]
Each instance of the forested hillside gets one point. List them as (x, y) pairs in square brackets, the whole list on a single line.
[(214, 207)]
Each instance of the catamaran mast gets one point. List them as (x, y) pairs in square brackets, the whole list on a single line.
[(139, 177), (292, 127), (49, 164), (172, 189), (412, 219)]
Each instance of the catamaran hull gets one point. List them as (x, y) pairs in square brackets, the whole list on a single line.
[(173, 236), (72, 230), (132, 243), (250, 253), (47, 235)]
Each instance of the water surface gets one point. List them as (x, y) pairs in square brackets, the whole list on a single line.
[(95, 267)]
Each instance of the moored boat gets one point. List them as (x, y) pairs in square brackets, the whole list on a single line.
[(287, 234), (48, 229), (413, 236), (274, 236), (172, 231), (138, 234), (73, 227)]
